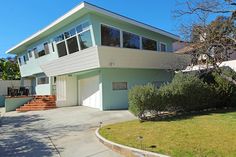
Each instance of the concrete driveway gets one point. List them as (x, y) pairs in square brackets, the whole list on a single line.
[(62, 132)]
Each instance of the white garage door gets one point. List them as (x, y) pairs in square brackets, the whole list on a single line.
[(89, 92)]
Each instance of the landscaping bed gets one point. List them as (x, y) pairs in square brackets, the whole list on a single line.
[(209, 134)]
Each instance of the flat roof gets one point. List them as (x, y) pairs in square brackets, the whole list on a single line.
[(100, 10)]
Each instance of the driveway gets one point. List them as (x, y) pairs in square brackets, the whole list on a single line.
[(62, 132)]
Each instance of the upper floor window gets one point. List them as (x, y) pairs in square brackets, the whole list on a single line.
[(30, 53), (19, 61), (163, 47), (41, 50), (75, 39), (85, 40), (71, 41), (131, 40), (110, 36), (23, 59), (149, 44)]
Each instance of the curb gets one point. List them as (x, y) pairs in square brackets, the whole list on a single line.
[(125, 150)]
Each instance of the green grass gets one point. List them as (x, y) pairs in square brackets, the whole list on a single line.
[(212, 135)]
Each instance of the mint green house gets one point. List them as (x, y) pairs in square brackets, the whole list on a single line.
[(92, 57)]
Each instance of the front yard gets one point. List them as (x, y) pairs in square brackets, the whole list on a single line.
[(210, 135)]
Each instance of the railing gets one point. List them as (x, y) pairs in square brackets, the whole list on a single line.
[(20, 91)]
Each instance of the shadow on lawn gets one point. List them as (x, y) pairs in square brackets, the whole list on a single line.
[(18, 139), (190, 115)]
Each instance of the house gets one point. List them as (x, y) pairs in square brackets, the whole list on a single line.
[(91, 56), (199, 61)]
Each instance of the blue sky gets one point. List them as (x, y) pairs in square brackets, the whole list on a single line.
[(22, 18)]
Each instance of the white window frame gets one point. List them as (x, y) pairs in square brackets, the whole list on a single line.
[(140, 44), (163, 44), (149, 39), (42, 77), (121, 35), (89, 28)]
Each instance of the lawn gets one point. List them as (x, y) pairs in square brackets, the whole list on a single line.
[(210, 135)]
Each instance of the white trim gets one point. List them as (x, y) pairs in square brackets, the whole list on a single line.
[(99, 10), (163, 44)]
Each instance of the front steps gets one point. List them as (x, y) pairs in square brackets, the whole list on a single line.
[(39, 102)]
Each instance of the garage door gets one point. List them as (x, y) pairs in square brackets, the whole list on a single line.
[(89, 92)]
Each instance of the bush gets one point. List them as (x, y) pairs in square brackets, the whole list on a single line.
[(186, 92), (142, 98)]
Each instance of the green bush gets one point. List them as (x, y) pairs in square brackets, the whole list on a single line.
[(142, 98), (224, 90), (186, 92)]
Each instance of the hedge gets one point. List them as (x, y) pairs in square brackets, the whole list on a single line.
[(186, 92)]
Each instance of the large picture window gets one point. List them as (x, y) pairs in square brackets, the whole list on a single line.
[(149, 44), (61, 48), (85, 40), (42, 80), (110, 36), (131, 40), (68, 43)]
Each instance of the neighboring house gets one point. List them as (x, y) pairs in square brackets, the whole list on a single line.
[(201, 62), (91, 57)]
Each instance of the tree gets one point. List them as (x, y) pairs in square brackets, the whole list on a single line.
[(9, 68), (216, 40)]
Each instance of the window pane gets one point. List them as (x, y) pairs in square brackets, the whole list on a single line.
[(149, 44), (19, 60), (85, 40), (119, 86), (59, 38), (43, 80), (110, 36), (72, 45), (85, 25), (46, 48), (41, 53), (35, 53), (163, 47), (30, 53), (79, 29), (61, 48), (131, 40), (70, 33)]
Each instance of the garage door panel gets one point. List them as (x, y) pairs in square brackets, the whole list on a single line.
[(89, 92)]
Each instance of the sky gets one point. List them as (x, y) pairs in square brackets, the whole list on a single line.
[(22, 18)]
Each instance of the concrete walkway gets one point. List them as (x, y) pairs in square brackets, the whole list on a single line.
[(62, 132)]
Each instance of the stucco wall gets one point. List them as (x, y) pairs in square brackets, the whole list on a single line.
[(118, 99), (11, 104)]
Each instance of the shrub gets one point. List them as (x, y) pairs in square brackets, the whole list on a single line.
[(185, 92), (224, 90), (142, 98)]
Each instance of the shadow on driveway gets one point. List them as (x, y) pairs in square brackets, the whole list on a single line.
[(19, 139)]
